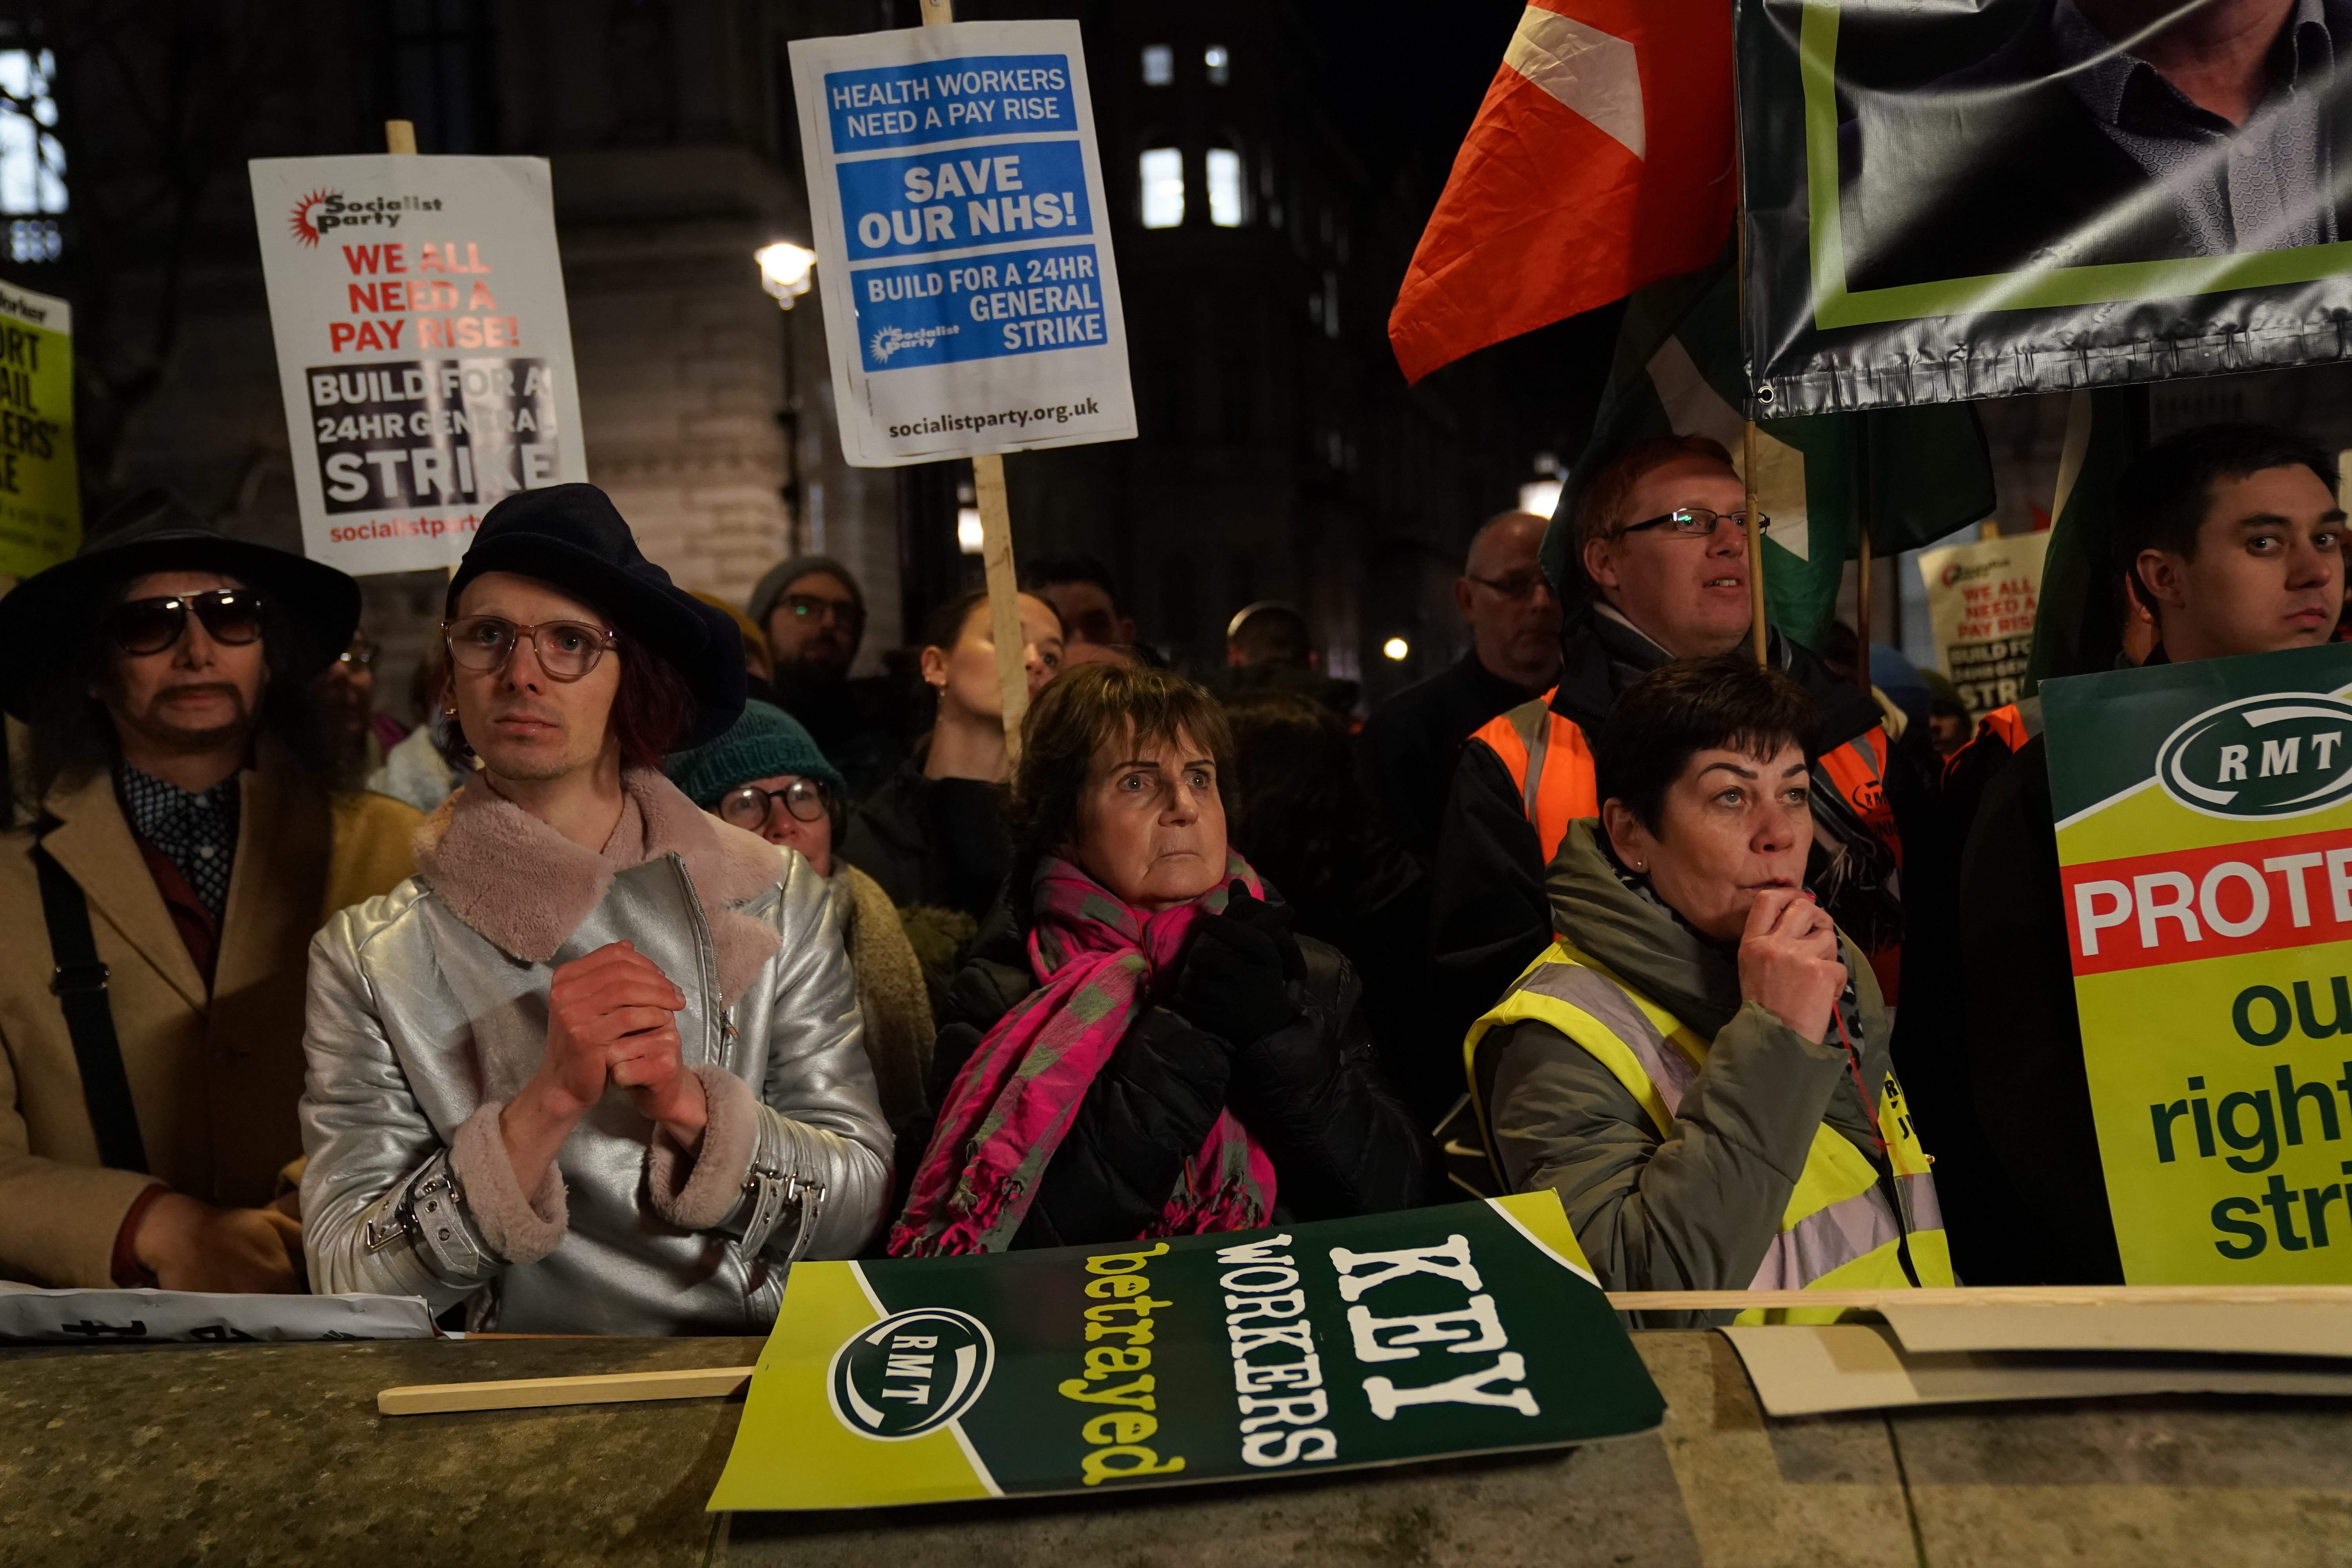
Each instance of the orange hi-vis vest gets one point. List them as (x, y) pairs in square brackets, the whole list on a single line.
[(1551, 763)]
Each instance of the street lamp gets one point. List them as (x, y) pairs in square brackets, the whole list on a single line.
[(1396, 650), (785, 270)]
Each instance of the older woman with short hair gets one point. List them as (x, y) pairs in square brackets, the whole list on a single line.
[(1698, 1065), (1142, 1047)]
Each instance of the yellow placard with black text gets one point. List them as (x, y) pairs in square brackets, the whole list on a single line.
[(40, 494), (2204, 819)]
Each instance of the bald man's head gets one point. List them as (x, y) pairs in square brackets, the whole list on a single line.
[(1512, 614)]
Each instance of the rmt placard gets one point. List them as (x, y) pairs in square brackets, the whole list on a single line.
[(963, 246), (423, 347)]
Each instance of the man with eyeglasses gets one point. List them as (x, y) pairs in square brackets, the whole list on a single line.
[(1662, 540), (185, 839), (814, 612), (1413, 740), (596, 1067)]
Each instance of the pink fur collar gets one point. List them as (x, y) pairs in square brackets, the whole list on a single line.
[(525, 887)]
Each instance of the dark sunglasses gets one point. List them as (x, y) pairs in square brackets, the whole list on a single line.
[(231, 616)]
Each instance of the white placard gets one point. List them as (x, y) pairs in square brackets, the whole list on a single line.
[(150, 1317), (423, 347), (963, 241), (1980, 600)]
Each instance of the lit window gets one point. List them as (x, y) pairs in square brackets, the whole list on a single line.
[(1163, 187), (1159, 65), (31, 160), (1220, 64), (1224, 171)]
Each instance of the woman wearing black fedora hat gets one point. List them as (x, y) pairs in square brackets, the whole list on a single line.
[(184, 839), (596, 1069)]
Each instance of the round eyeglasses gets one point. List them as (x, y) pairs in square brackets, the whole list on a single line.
[(566, 649), (747, 808), (230, 616), (1695, 523)]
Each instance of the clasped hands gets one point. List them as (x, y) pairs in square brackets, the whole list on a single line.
[(1238, 968), (611, 1019)]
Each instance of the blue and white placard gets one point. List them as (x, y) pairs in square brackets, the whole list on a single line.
[(963, 246)]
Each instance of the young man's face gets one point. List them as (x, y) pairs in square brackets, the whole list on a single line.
[(524, 724), (816, 625), (2268, 572)]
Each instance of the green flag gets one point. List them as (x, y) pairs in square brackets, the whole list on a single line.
[(1917, 474), (2078, 628)]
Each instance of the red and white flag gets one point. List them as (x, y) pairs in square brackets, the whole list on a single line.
[(1601, 161)]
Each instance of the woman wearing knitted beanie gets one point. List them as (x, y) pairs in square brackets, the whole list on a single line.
[(766, 775)]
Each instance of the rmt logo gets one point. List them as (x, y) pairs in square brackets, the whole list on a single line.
[(323, 211)]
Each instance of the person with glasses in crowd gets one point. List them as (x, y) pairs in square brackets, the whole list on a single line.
[(766, 776), (349, 685), (1413, 739), (813, 613), (1659, 547), (597, 1069), (181, 838)]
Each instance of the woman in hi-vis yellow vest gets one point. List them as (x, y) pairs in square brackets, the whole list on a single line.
[(1698, 1065)]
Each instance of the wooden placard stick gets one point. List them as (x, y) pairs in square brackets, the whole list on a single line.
[(1755, 547), (1862, 607), (531, 1392), (400, 136), (716, 1383), (996, 546)]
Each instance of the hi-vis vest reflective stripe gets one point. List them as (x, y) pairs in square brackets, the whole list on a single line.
[(1837, 1232), (1551, 765)]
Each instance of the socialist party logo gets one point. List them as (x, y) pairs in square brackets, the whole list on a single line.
[(323, 211), (910, 1373), (2281, 755)]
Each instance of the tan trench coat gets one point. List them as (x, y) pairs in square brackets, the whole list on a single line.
[(214, 1079)]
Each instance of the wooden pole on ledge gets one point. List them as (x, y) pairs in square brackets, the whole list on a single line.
[(996, 546)]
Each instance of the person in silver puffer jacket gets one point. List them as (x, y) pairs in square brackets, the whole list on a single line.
[(611, 1089)]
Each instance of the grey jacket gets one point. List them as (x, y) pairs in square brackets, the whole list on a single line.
[(1698, 1209), (402, 993)]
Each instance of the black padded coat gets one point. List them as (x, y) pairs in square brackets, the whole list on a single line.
[(1311, 1092)]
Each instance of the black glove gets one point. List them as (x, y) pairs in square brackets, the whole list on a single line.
[(1235, 982)]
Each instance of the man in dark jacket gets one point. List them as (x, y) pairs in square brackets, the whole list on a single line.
[(2233, 539), (1662, 543), (1413, 739), (814, 613)]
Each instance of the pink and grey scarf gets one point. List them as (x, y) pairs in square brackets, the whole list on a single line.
[(1099, 965)]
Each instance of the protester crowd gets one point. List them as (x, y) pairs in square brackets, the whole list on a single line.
[(665, 951)]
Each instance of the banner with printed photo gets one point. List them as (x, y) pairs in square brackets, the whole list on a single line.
[(2204, 818), (1987, 197), (40, 485), (424, 347), (1470, 1329), (1981, 600), (963, 245)]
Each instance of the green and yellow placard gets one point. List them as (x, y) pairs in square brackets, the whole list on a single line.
[(40, 496), (1476, 1328), (2205, 844)]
